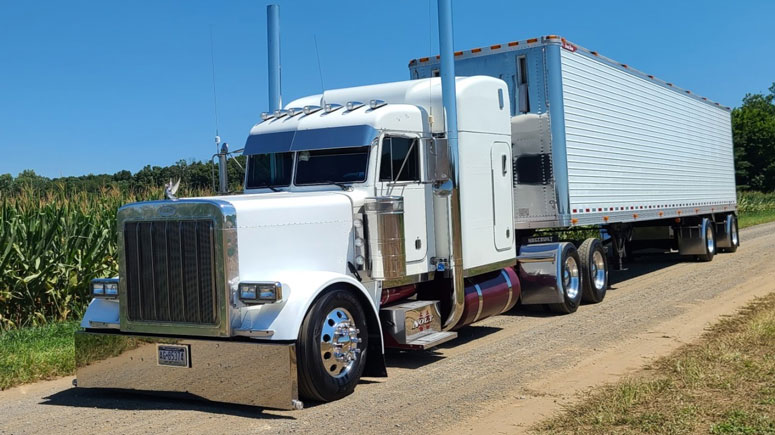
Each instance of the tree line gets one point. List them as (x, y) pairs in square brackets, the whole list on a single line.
[(194, 176), (753, 131)]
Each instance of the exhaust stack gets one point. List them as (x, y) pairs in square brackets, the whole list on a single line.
[(451, 189), (273, 44)]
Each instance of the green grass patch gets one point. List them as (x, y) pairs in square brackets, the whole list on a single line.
[(35, 353), (724, 383), (749, 219), (755, 208)]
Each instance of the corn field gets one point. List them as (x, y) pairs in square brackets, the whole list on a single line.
[(51, 246), (756, 202)]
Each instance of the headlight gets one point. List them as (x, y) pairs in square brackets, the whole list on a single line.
[(104, 288), (260, 292)]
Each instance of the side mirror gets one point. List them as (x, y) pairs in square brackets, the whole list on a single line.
[(437, 159)]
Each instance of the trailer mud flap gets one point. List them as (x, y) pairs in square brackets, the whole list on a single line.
[(243, 372)]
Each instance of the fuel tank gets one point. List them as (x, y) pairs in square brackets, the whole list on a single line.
[(489, 294)]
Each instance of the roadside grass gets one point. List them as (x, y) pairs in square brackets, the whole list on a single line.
[(723, 383), (755, 218), (755, 208), (34, 353)]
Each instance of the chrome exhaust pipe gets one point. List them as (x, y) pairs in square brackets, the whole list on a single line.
[(449, 98), (273, 45)]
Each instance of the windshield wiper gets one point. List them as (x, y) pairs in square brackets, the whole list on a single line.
[(268, 186), (342, 185)]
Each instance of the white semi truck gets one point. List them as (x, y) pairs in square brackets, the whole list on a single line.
[(391, 215)]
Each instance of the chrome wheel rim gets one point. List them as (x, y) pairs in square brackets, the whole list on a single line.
[(734, 232), (711, 245), (339, 343), (598, 270), (570, 277)]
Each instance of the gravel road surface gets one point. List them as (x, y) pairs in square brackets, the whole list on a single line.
[(499, 375)]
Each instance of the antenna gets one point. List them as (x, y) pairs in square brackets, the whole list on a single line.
[(320, 70), (215, 95)]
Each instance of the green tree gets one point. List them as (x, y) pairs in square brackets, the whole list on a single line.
[(753, 129)]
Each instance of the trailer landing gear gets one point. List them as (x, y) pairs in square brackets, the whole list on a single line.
[(621, 236)]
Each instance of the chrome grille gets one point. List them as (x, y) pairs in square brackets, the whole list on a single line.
[(170, 271)]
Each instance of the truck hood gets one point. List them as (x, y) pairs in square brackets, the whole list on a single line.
[(282, 232)]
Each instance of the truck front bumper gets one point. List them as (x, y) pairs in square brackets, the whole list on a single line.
[(247, 373)]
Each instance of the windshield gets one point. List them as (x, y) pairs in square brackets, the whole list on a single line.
[(340, 165), (269, 170)]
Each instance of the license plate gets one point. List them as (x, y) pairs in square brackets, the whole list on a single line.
[(173, 355)]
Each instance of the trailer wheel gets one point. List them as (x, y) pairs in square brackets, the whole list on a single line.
[(709, 240), (594, 268), (332, 347), (571, 282), (734, 237)]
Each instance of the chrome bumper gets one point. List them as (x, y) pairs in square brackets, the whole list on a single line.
[(247, 373)]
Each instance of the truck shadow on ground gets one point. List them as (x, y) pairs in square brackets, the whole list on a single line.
[(643, 264), (134, 401)]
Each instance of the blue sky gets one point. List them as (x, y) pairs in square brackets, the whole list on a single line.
[(96, 87)]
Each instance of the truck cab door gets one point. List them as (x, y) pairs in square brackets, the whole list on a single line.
[(400, 175), (502, 198)]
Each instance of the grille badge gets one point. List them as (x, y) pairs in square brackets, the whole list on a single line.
[(166, 211)]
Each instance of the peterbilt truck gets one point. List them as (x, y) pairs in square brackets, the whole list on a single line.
[(391, 215)]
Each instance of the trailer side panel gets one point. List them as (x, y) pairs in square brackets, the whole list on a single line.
[(636, 147)]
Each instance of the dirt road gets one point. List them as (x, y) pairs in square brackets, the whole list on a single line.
[(499, 376)]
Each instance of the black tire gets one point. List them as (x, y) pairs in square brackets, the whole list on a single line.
[(734, 235), (571, 290), (316, 382), (592, 256), (710, 233)]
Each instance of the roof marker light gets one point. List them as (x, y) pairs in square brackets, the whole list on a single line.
[(458, 53), (513, 43), (279, 113), (352, 105), (495, 47), (424, 59), (310, 109), (376, 104), (476, 50), (266, 115), (532, 40), (293, 111), (332, 107)]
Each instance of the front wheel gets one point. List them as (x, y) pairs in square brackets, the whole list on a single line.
[(332, 347)]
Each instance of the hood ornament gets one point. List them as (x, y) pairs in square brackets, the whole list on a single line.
[(171, 189)]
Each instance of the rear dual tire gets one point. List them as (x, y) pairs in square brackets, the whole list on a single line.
[(570, 280), (709, 241), (734, 235), (594, 268)]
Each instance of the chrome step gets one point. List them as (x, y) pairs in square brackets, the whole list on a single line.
[(431, 340)]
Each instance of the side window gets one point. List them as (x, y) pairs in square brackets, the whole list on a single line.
[(524, 98), (400, 159), (534, 169)]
